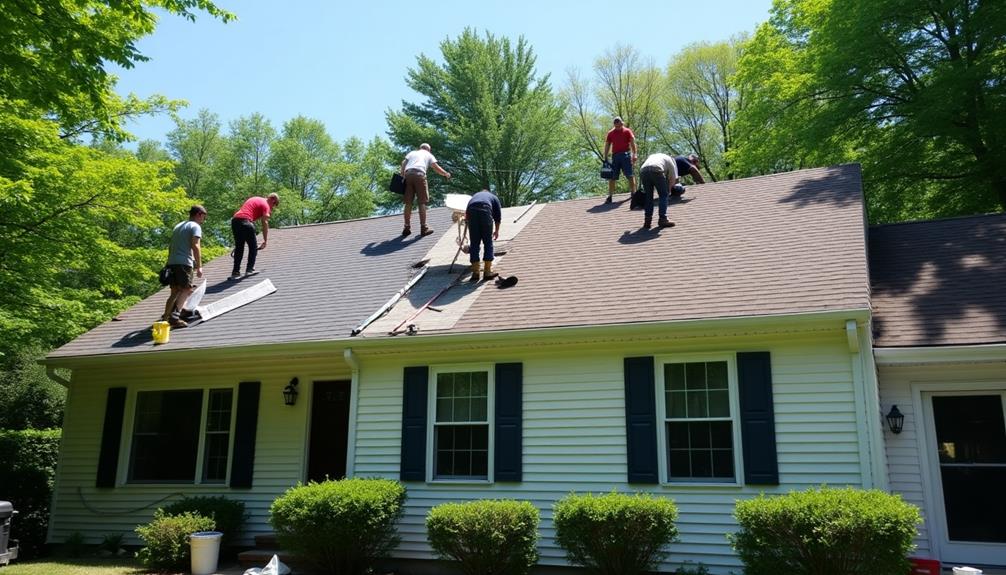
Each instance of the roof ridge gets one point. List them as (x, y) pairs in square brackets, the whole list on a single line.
[(938, 220)]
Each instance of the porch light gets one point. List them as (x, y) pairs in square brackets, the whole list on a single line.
[(290, 392), (895, 420)]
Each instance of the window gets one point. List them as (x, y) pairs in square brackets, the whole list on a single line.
[(171, 430), (699, 431), (461, 425)]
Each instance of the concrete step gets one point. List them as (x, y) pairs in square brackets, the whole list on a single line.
[(260, 557)]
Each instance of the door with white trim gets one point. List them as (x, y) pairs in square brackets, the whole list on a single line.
[(966, 449)]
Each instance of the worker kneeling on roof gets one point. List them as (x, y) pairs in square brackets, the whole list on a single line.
[(483, 215)]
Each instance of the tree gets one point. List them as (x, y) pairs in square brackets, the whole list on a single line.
[(912, 89), (29, 398), (492, 120), (701, 101), (53, 55), (624, 85), (301, 161), (195, 145)]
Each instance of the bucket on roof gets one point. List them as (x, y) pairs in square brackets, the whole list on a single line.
[(161, 331)]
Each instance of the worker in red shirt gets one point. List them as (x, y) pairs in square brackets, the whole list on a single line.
[(243, 227), (621, 142)]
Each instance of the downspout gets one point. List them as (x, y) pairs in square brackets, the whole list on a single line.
[(875, 419), (867, 397), (354, 398), (50, 372), (859, 393)]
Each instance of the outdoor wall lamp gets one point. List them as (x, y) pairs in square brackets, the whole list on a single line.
[(895, 420), (290, 392)]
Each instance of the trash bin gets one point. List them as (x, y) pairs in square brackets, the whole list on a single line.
[(6, 513), (205, 547)]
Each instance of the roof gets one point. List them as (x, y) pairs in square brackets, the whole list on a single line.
[(939, 283), (780, 244)]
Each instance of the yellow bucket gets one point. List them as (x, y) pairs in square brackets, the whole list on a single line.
[(162, 331)]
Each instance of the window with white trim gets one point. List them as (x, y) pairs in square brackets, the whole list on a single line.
[(462, 438), (182, 436), (699, 428)]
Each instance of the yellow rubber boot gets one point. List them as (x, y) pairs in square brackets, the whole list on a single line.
[(487, 271), (475, 272)]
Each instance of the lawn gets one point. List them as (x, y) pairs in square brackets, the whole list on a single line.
[(75, 567)]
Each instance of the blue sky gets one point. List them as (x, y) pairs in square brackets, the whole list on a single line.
[(344, 63)]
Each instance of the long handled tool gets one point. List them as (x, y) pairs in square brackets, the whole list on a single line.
[(524, 213), (462, 233), (398, 328), (390, 303)]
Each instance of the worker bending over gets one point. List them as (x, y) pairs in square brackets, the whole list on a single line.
[(659, 172), (483, 215)]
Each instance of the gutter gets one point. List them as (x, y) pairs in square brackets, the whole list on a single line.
[(782, 323), (50, 372), (892, 356)]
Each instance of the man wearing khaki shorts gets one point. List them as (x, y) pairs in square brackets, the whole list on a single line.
[(184, 261), (413, 170)]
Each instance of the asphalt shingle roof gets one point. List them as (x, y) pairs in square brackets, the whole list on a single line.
[(939, 282), (779, 244)]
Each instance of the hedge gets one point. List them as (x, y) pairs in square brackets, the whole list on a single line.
[(26, 480), (488, 537)]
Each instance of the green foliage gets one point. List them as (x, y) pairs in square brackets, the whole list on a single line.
[(228, 514), (75, 545), (491, 120), (486, 537), (615, 534), (111, 544), (55, 54), (166, 539), (26, 480), (29, 399), (825, 532), (686, 568), (912, 90), (339, 527)]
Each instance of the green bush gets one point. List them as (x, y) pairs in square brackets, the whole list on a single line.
[(486, 537), (615, 534), (825, 532), (166, 539), (228, 514), (339, 527), (26, 479)]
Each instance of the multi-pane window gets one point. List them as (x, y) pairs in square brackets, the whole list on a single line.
[(218, 435), (168, 435), (461, 426), (698, 423)]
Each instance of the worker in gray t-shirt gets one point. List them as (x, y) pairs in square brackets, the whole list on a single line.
[(184, 258)]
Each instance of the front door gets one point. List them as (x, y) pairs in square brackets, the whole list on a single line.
[(967, 454), (329, 430)]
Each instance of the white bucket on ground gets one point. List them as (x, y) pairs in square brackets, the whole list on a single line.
[(205, 547), (967, 571)]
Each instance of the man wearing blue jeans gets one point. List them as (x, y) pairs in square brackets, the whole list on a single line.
[(483, 215), (659, 172), (621, 142)]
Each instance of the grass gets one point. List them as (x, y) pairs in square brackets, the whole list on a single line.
[(91, 566)]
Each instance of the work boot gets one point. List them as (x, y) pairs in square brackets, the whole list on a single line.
[(475, 272), (425, 231), (406, 231), (609, 200), (647, 223), (487, 271), (665, 223)]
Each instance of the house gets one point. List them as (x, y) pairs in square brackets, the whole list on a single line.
[(742, 351)]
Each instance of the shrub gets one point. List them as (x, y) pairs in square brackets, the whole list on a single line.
[(615, 534), (166, 539), (339, 527), (74, 545), (486, 537), (825, 532), (228, 514), (26, 479)]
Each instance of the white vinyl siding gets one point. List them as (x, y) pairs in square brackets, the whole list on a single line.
[(574, 437), (904, 451), (279, 451)]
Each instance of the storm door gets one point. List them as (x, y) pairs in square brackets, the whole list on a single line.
[(329, 430), (967, 434)]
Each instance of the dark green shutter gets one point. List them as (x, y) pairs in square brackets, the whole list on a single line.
[(509, 386), (640, 420), (111, 437), (245, 430), (416, 386), (754, 375)]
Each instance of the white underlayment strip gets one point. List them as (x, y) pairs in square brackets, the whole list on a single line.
[(459, 298), (234, 301)]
